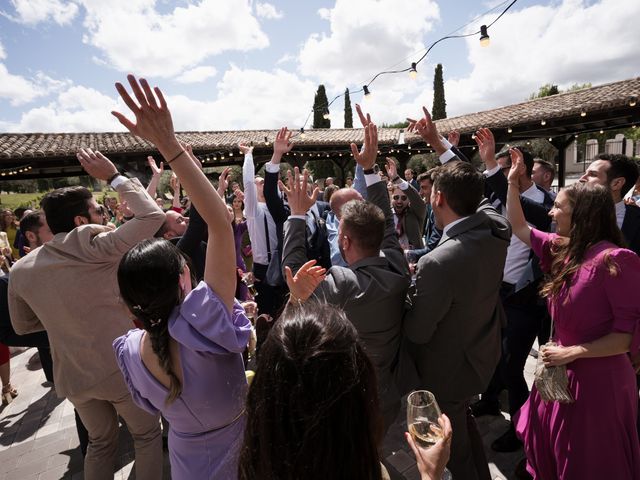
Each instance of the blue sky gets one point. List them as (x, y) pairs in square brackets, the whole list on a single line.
[(247, 64)]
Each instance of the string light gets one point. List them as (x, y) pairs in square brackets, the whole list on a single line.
[(484, 36), (601, 132), (543, 122), (266, 141), (302, 134), (367, 93), (509, 130), (413, 73), (633, 101), (583, 113), (326, 115)]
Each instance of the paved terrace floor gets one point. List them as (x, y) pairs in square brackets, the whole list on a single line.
[(38, 439)]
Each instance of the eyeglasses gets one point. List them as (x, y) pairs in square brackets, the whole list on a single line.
[(400, 197)]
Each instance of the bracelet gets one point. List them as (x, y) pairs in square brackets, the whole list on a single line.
[(180, 153), (113, 177)]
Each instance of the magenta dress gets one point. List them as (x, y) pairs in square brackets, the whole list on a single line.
[(595, 437), (207, 419)]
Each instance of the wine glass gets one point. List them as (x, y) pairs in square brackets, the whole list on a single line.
[(423, 413)]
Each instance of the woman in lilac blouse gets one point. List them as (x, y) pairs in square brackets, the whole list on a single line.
[(187, 361), (592, 294)]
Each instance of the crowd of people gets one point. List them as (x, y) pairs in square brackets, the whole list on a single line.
[(275, 327)]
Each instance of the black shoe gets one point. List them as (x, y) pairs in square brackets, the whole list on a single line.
[(484, 407), (508, 442)]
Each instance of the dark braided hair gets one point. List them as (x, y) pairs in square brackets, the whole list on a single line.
[(148, 277)]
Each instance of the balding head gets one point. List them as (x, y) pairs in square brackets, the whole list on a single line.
[(342, 196)]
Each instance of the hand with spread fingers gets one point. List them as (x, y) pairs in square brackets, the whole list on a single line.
[(427, 130), (306, 280), (454, 137), (299, 200), (486, 147), (367, 156), (281, 145), (223, 181), (152, 117), (432, 461), (155, 170), (391, 167), (96, 164)]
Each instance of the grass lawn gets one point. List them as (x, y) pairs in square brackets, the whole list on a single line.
[(14, 200)]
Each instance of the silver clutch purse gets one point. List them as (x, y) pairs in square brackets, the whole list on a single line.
[(552, 382)]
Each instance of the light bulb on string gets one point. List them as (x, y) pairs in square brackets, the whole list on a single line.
[(583, 113), (543, 122), (302, 134), (326, 115), (413, 72), (633, 101), (367, 93), (484, 36), (601, 132), (509, 130)]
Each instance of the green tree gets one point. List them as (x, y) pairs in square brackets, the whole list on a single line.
[(545, 91), (320, 108), (348, 113), (439, 109)]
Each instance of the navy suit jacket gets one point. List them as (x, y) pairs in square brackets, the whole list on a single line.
[(631, 227)]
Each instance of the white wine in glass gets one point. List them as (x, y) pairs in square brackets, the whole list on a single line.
[(423, 413)]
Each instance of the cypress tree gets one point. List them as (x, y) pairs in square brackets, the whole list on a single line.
[(348, 113), (320, 107), (439, 109)]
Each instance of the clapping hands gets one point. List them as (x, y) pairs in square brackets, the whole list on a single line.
[(305, 281)]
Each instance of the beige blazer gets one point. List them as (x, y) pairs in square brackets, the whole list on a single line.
[(69, 288)]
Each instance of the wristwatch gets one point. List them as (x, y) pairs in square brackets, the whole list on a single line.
[(374, 169), (397, 180)]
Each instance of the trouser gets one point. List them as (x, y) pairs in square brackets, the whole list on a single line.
[(524, 322), (467, 460), (40, 340), (99, 408), (269, 299)]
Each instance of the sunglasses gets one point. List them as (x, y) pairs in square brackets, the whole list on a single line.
[(400, 197)]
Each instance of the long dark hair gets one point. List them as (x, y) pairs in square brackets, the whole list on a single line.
[(148, 277), (312, 407), (593, 220)]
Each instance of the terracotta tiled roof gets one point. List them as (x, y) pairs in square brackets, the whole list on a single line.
[(596, 99)]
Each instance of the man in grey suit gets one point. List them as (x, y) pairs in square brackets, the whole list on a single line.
[(372, 289), (456, 315)]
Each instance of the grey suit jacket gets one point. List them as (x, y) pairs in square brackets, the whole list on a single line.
[(69, 287), (456, 314), (372, 292)]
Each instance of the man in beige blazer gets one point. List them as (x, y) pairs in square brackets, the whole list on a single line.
[(68, 287)]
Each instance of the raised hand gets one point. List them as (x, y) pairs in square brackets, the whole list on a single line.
[(299, 200), (486, 147), (239, 194), (282, 144), (245, 149), (174, 182), (432, 461), (453, 137), (391, 167), (153, 119), (96, 164), (156, 172), (366, 157), (223, 181), (517, 166), (187, 148), (427, 130), (306, 280)]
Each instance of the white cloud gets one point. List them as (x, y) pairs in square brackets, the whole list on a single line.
[(247, 99), (197, 75), (134, 36), (32, 12), (268, 11), (573, 42), (366, 37), (286, 58)]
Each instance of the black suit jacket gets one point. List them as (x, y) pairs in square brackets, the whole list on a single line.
[(631, 227)]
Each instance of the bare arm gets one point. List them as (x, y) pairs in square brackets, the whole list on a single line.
[(154, 123), (515, 215), (156, 173), (611, 344)]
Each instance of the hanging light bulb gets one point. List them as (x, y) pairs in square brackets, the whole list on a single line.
[(484, 36), (509, 130), (302, 134), (550, 139), (409, 147), (601, 132), (583, 113), (326, 114), (633, 101), (543, 122), (367, 93), (266, 141), (413, 72)]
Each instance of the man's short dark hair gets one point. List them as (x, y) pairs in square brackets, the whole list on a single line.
[(32, 221), (62, 205), (429, 174), (621, 166), (526, 155), (462, 185), (364, 223), (546, 166)]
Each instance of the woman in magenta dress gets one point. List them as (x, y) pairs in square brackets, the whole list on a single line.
[(187, 361), (592, 294)]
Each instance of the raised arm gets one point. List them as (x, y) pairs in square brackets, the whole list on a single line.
[(249, 183), (154, 124), (275, 204), (515, 215), (156, 173)]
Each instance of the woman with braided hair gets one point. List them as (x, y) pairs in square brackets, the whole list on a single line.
[(186, 362)]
